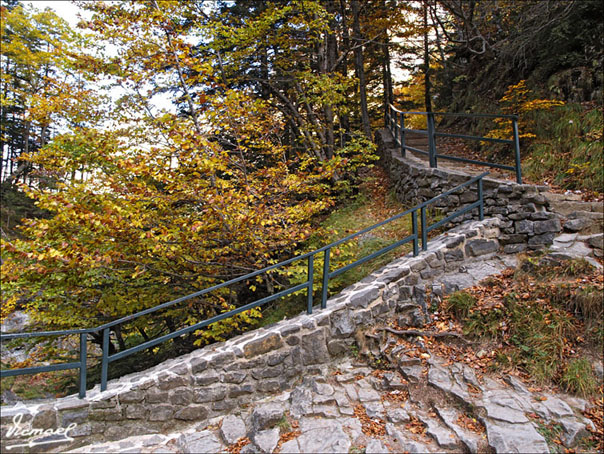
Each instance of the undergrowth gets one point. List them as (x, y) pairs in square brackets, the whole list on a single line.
[(567, 150), (546, 317)]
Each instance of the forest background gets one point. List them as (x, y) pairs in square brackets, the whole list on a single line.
[(111, 205)]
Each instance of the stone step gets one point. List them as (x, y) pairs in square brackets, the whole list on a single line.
[(584, 222), (566, 207)]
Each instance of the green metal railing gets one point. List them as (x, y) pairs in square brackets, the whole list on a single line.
[(308, 285), (395, 119)]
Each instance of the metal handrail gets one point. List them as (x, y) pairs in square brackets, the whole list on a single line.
[(395, 120), (308, 285), (456, 114)]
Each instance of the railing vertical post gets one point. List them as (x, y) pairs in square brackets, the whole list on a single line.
[(424, 232), (105, 359), (480, 198), (517, 150), (431, 140), (311, 266), (403, 151), (324, 288), (83, 338), (415, 233), (387, 117)]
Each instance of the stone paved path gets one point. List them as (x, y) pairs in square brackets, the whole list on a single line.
[(421, 405)]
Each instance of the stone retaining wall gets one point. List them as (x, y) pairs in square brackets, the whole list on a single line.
[(526, 219), (214, 380)]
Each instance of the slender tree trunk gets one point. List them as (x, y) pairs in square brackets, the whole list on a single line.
[(328, 66), (386, 73), (427, 85), (344, 119), (360, 70)]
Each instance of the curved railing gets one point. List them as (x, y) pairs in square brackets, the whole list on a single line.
[(395, 119), (308, 285)]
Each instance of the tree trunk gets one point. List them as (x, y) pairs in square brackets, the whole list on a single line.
[(428, 87), (328, 66), (386, 73), (344, 119), (358, 62)]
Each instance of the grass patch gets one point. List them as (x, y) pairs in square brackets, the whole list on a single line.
[(579, 378), (460, 303)]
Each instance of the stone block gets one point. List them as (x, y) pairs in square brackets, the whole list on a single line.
[(513, 238), (481, 246), (314, 348), (167, 381), (232, 429), (77, 416), (453, 242), (277, 358), (211, 394), (267, 372), (132, 397), (269, 386), (523, 226), (198, 365), (337, 347), (551, 225), (364, 296), (106, 414), (192, 413), (266, 415), (596, 241), (224, 405), (135, 411), (541, 240), (234, 377), (514, 248), (181, 396), (161, 412), (45, 418), (241, 390), (342, 324), (156, 396), (263, 344)]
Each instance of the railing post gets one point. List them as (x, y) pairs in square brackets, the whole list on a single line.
[(431, 140), (311, 265), (424, 232), (403, 151), (415, 233), (517, 150), (105, 359), (83, 338), (325, 278), (480, 198), (387, 117)]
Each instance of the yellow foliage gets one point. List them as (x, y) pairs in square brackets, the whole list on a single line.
[(221, 330), (518, 99)]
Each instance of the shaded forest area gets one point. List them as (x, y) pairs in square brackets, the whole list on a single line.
[(163, 147)]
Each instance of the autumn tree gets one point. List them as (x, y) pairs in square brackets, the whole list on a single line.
[(36, 74), (171, 202)]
